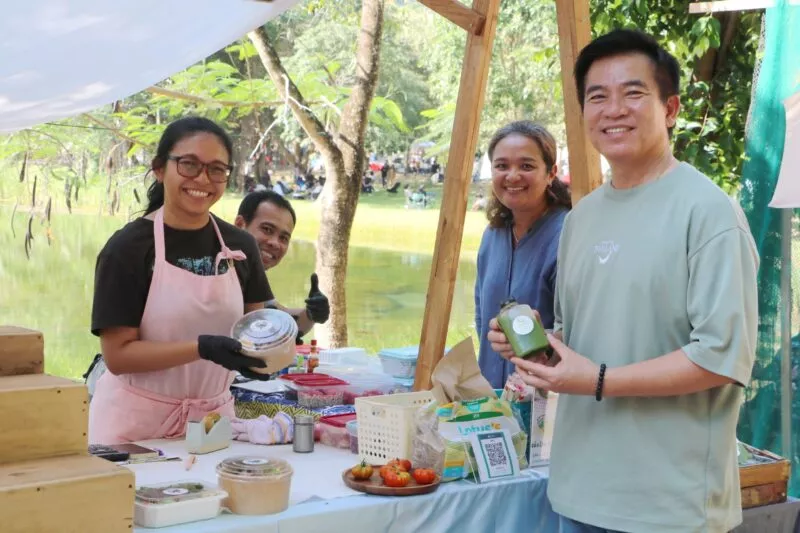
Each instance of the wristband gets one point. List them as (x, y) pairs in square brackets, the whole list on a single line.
[(598, 392)]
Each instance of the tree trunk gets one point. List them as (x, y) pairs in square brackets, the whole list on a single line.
[(343, 156), (243, 145)]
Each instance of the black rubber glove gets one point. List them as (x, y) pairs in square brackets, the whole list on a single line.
[(226, 352), (317, 307)]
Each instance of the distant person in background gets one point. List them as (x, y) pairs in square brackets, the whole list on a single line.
[(366, 184), (517, 255), (316, 191), (280, 187), (384, 174), (270, 219), (407, 193), (266, 180), (480, 202)]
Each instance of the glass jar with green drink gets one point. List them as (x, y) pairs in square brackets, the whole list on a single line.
[(523, 329)]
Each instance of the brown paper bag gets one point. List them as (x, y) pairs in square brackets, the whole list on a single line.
[(458, 377)]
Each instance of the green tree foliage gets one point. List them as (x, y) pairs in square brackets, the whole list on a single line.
[(717, 54), (524, 80)]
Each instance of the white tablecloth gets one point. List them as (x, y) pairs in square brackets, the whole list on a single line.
[(317, 475), (320, 502)]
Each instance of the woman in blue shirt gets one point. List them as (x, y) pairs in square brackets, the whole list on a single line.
[(517, 256)]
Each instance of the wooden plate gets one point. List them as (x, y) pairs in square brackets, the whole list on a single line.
[(375, 485)]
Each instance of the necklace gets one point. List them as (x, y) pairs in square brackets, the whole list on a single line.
[(514, 239)]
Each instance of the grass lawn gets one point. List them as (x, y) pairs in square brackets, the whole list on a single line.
[(382, 222)]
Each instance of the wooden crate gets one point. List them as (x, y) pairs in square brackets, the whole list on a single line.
[(21, 351), (78, 494), (43, 416), (764, 484)]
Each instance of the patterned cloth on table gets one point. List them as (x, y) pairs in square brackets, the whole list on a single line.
[(252, 404)]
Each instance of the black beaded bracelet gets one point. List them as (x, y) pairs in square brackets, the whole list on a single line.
[(598, 392)]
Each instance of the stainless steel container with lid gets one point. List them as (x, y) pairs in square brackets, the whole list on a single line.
[(303, 434)]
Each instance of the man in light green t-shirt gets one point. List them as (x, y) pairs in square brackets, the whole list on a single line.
[(656, 304)]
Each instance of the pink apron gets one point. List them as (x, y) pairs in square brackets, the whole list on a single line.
[(180, 306)]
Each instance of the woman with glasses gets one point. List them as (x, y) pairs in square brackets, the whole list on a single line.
[(168, 288)]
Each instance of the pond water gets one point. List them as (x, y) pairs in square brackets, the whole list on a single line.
[(52, 291)]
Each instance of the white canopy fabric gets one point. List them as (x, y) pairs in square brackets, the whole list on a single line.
[(60, 58), (787, 191)]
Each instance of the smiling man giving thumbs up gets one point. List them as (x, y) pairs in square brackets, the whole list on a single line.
[(270, 219)]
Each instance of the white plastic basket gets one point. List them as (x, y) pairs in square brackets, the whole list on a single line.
[(386, 425)]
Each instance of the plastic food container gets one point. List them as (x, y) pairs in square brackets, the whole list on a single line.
[(362, 383), (267, 334), (315, 390), (344, 356), (352, 431), (168, 504), (256, 485), (333, 430), (402, 385), (400, 362)]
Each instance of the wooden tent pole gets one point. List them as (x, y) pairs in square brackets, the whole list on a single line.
[(574, 32), (458, 176)]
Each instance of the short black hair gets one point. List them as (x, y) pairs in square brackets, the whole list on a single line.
[(620, 42), (250, 203)]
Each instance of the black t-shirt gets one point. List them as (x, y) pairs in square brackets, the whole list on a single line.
[(125, 267)]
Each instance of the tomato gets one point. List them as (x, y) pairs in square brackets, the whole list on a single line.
[(424, 476), (385, 469), (397, 478), (402, 464), (361, 471)]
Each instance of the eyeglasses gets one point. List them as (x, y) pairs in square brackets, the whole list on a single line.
[(189, 167)]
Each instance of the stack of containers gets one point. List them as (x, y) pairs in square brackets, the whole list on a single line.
[(362, 382), (315, 390), (401, 364)]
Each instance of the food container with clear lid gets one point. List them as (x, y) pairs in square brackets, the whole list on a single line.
[(352, 430), (332, 430), (400, 362), (267, 334), (314, 391), (168, 504), (256, 485), (362, 383)]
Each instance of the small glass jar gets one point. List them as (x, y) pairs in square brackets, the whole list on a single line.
[(523, 329)]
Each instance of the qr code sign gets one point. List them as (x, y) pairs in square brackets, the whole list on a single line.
[(496, 452)]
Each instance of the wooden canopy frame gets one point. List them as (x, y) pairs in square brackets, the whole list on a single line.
[(480, 22)]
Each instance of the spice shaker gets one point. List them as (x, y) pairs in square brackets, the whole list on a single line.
[(522, 327), (303, 434)]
